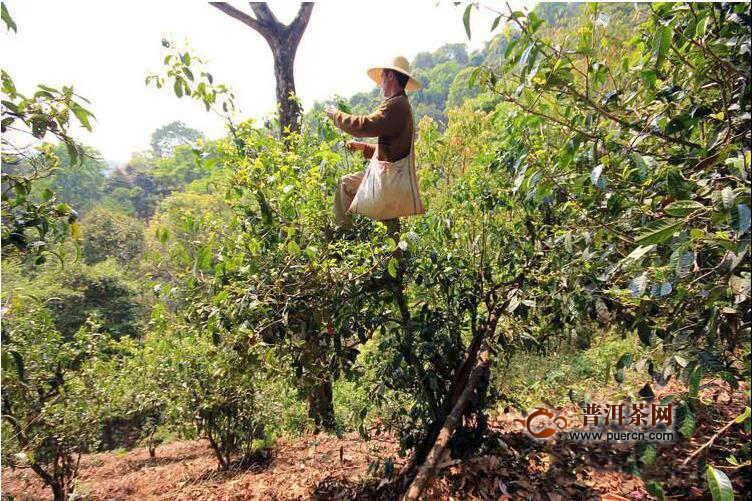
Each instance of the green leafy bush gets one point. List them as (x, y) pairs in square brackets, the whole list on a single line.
[(50, 405), (110, 234), (198, 388)]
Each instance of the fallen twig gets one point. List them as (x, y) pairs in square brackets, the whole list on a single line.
[(709, 442)]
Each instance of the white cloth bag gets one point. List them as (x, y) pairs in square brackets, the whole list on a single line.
[(389, 189)]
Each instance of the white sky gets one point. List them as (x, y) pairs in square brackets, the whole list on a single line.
[(106, 48)]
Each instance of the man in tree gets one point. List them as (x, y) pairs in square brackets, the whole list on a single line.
[(393, 124)]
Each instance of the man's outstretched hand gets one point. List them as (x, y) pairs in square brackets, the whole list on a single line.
[(351, 145), (330, 111)]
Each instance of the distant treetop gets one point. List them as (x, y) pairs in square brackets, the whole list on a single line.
[(165, 138)]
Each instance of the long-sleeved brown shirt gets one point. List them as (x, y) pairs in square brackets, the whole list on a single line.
[(392, 123)]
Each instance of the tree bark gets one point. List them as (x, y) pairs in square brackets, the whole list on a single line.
[(58, 493), (283, 41), (321, 406), (318, 382), (289, 109)]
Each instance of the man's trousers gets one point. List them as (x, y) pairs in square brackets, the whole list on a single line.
[(346, 190)]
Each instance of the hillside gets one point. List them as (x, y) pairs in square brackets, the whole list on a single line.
[(326, 467)]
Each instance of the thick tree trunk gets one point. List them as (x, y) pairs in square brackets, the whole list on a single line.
[(321, 406), (58, 492), (289, 110)]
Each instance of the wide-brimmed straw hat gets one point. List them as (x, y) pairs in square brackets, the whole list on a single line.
[(399, 64)]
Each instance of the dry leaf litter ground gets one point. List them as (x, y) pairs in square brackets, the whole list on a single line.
[(327, 467)]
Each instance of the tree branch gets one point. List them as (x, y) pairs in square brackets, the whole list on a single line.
[(625, 123), (460, 384), (709, 442), (264, 14), (298, 25), (260, 27)]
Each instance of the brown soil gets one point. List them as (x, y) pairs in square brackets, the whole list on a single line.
[(327, 467)]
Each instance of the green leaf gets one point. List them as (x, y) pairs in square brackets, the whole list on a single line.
[(646, 392), (526, 55), (681, 262), (204, 258), (649, 77), (63, 208), (644, 333), (661, 44), (743, 416), (681, 208), (655, 489), (638, 285), (473, 77), (727, 195), (649, 454), (466, 20), (293, 248), (645, 163), (720, 485), (510, 47), (495, 23), (81, 114), (596, 177), (624, 361), (392, 267), (702, 26), (640, 251), (11, 25), (694, 382), (688, 425), (658, 231), (70, 146), (743, 218)]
